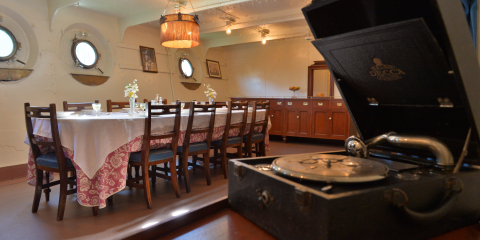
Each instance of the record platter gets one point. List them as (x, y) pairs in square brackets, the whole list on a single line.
[(330, 168)]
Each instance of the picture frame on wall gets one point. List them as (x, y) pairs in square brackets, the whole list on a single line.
[(213, 68), (149, 60)]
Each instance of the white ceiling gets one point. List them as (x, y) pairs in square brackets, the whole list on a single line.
[(276, 15)]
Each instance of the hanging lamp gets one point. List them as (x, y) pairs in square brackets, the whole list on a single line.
[(179, 30)]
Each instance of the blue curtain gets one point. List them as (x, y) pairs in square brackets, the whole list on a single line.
[(470, 7)]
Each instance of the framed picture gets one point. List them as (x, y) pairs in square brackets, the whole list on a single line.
[(213, 68), (149, 61)]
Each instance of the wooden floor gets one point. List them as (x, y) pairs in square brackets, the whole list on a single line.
[(129, 214)]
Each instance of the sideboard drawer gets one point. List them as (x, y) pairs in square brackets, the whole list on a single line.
[(297, 103)]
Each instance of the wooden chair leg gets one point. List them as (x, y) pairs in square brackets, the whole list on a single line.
[(206, 166), (129, 171), (63, 195), (95, 211), (257, 150), (110, 200), (71, 174), (137, 171), (185, 171), (215, 156), (153, 175), (165, 167), (47, 190), (194, 162), (224, 163), (262, 149), (38, 191), (146, 186), (249, 149), (173, 173)]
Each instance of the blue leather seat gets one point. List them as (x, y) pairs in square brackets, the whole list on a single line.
[(155, 155), (230, 140), (193, 147), (50, 160), (255, 137)]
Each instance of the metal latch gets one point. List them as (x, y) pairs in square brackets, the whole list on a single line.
[(279, 103), (303, 199), (445, 102), (238, 171), (264, 198), (305, 103)]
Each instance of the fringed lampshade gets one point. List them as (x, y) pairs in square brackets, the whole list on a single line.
[(179, 31)]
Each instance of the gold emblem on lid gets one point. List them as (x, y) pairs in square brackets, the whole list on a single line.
[(385, 72)]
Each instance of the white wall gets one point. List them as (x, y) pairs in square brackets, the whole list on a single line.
[(51, 81), (255, 69)]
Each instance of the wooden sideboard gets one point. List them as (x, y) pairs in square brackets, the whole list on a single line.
[(321, 117)]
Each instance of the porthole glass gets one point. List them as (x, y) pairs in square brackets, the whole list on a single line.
[(8, 44), (84, 53), (186, 68)]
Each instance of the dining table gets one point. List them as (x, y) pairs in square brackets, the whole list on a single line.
[(100, 146)]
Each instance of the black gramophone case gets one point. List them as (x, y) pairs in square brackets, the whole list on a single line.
[(403, 66)]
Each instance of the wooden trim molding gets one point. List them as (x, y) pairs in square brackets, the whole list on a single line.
[(13, 74), (12, 172), (91, 80)]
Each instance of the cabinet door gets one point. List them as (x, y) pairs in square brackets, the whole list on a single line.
[(276, 118), (340, 124), (321, 124), (291, 122), (303, 116)]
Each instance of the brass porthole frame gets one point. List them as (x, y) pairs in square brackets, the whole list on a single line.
[(75, 58), (15, 45)]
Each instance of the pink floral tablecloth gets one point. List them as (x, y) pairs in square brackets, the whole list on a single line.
[(111, 178)]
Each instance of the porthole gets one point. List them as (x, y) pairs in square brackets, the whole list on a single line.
[(84, 53), (8, 44), (186, 68)]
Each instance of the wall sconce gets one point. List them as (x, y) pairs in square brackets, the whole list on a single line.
[(264, 33), (230, 22)]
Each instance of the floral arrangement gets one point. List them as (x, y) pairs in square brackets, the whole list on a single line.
[(131, 89), (293, 88), (210, 93)]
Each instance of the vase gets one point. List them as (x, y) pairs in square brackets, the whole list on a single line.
[(132, 106), (210, 100)]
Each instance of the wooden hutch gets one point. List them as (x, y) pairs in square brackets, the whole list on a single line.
[(311, 117)]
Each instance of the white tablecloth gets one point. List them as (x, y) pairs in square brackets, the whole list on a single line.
[(93, 138)]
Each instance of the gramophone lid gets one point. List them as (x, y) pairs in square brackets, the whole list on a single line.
[(329, 168), (407, 66)]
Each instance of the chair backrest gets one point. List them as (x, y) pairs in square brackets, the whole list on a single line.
[(235, 106), (164, 101), (116, 105), (40, 112), (160, 110), (221, 104), (77, 106), (264, 123), (195, 109)]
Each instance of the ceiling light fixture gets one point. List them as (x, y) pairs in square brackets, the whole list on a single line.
[(179, 30), (264, 33), (229, 23)]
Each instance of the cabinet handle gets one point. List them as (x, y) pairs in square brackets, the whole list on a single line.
[(272, 116), (339, 104), (279, 103), (289, 103), (305, 103), (320, 104), (329, 118), (298, 117)]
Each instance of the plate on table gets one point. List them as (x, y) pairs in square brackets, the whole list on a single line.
[(62, 114)]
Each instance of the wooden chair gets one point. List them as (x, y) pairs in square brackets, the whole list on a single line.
[(231, 142), (257, 138), (146, 157), (221, 104), (77, 106), (164, 101), (116, 105), (195, 149), (50, 162)]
